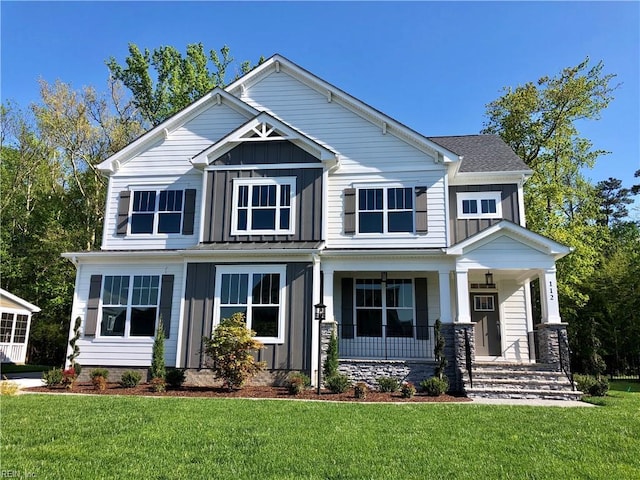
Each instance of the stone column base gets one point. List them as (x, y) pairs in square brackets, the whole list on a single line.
[(462, 332), (553, 345)]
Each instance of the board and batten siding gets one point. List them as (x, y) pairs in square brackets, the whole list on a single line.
[(513, 319), (293, 354), (129, 352), (119, 183), (462, 228), (219, 205)]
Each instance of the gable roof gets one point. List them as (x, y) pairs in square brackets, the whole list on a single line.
[(517, 232), (264, 126), (17, 300), (215, 96), (483, 153), (278, 63)]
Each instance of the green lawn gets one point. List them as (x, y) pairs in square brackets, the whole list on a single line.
[(60, 436)]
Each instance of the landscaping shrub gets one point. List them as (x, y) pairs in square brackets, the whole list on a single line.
[(434, 386), (230, 352), (52, 377), (590, 385), (69, 377), (337, 383), (158, 384), (297, 382), (130, 378), (7, 387), (360, 390), (99, 378), (438, 350), (175, 377), (75, 350), (388, 384), (407, 390), (330, 367)]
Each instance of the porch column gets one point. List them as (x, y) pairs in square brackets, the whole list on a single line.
[(445, 297), (549, 296), (462, 296), (328, 326), (315, 327)]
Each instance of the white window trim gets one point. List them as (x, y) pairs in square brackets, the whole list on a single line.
[(128, 306), (249, 182), (251, 269), (478, 196), (156, 212), (477, 302), (385, 209)]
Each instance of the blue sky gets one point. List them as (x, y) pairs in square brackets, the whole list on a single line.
[(432, 66)]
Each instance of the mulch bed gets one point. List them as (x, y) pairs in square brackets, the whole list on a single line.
[(246, 392)]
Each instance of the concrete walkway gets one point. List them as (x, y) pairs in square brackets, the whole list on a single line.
[(25, 380)]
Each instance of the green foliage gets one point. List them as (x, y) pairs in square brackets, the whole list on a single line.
[(158, 384), (337, 383), (388, 384), (175, 377), (230, 352), (407, 390), (297, 382), (73, 343), (69, 377), (158, 369), (8, 388), (438, 350), (164, 81), (99, 372), (591, 385), (360, 390), (434, 386), (130, 378), (52, 377), (330, 367)]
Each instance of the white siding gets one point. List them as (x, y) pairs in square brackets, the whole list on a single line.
[(366, 155), (505, 252), (513, 321), (125, 352), (119, 182)]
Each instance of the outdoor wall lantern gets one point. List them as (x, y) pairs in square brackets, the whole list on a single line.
[(488, 280)]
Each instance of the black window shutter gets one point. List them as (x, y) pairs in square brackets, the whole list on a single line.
[(350, 211), (123, 212), (421, 210), (91, 321), (189, 211), (347, 308), (166, 301), (422, 311)]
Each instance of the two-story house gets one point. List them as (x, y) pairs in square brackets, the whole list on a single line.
[(282, 192)]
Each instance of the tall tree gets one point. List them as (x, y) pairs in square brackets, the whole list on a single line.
[(164, 81), (614, 199)]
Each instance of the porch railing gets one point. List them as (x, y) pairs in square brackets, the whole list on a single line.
[(564, 358), (387, 343)]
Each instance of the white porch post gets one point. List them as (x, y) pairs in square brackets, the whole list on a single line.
[(315, 325), (445, 297), (462, 296), (549, 297)]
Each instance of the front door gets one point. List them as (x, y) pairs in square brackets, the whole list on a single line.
[(484, 313)]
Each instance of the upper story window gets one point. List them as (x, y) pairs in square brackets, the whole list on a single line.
[(156, 212), (130, 305), (385, 210), (263, 206), (479, 205)]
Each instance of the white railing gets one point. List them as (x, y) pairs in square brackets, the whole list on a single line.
[(13, 352)]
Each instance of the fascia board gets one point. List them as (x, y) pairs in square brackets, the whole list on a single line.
[(482, 178), (217, 95), (14, 298), (357, 106)]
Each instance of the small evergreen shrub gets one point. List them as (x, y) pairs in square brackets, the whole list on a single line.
[(337, 383), (361, 390), (388, 384), (330, 367), (99, 378), (69, 377), (434, 386), (158, 369), (158, 384), (175, 377), (297, 382), (75, 350), (407, 390), (52, 377), (590, 385), (130, 378)]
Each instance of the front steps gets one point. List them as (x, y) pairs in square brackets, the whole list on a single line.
[(524, 381)]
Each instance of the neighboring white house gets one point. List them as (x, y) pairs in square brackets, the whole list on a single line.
[(282, 192), (15, 325)]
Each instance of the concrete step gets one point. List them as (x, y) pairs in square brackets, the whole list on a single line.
[(523, 393), (523, 375), (502, 366), (522, 385)]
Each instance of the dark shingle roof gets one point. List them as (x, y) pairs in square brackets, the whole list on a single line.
[(482, 153)]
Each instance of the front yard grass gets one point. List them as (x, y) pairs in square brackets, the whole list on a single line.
[(63, 436)]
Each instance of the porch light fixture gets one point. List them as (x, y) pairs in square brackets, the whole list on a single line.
[(488, 280), (383, 277), (319, 313)]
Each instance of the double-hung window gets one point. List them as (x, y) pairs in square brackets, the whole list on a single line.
[(384, 309), (258, 293), (156, 211), (129, 305), (385, 210), (263, 206), (479, 205)]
